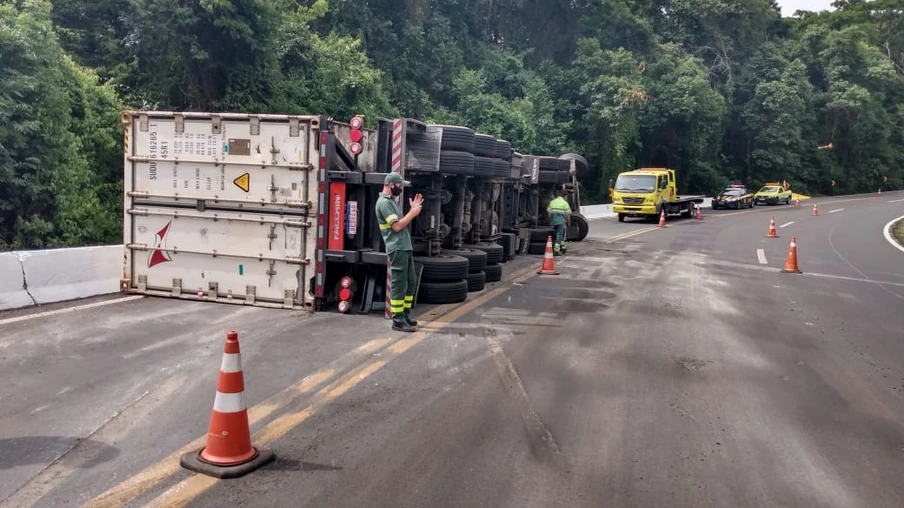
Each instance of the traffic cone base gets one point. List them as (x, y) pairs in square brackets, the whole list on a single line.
[(699, 213), (791, 262), (549, 263), (228, 453), (815, 210), (662, 219)]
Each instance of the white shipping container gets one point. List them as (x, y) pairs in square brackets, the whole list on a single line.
[(225, 205)]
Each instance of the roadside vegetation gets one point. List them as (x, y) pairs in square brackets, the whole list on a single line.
[(898, 231), (720, 90)]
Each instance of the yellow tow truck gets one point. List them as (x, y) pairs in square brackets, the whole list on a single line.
[(647, 192)]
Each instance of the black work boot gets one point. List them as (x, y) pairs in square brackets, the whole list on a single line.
[(410, 321), (404, 328)]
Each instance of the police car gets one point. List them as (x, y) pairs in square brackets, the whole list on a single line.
[(734, 196)]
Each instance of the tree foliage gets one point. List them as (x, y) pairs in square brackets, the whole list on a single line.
[(720, 90)]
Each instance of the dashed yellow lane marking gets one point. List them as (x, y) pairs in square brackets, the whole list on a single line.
[(196, 484)]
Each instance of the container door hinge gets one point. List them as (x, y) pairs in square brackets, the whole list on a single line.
[(270, 273), (216, 125), (272, 235), (177, 287), (250, 294), (255, 126), (143, 122), (289, 298), (294, 130), (180, 124), (213, 290), (142, 283)]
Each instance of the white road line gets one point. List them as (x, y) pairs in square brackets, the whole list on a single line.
[(67, 310), (887, 230), (896, 201), (787, 224), (761, 254), (836, 210)]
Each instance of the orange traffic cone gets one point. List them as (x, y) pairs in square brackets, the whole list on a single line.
[(791, 263), (699, 212), (880, 192), (662, 219), (797, 203), (772, 233), (815, 209), (549, 264), (228, 453)]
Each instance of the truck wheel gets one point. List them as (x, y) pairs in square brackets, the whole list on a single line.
[(484, 145), (476, 281), (443, 267), (581, 168), (553, 177), (621, 217), (443, 292), (540, 235), (579, 228), (537, 248), (484, 166), (688, 213), (477, 259), (494, 273), (503, 168), (456, 163), (456, 137), (494, 251), (503, 150)]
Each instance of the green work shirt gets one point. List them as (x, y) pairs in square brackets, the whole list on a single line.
[(388, 212), (558, 209)]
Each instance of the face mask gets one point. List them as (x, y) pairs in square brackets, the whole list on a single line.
[(396, 191)]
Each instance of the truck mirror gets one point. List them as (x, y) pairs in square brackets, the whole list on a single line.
[(663, 184), (610, 183)]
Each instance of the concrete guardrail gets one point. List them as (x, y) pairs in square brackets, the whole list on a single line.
[(47, 276)]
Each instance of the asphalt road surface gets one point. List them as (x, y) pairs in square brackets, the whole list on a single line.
[(663, 367)]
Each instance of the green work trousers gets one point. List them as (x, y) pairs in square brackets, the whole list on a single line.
[(404, 279), (558, 238)]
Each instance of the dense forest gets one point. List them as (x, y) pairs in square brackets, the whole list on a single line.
[(720, 90)]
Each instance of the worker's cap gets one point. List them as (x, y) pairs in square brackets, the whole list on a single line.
[(395, 178)]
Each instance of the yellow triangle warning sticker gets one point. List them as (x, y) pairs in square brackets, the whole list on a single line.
[(243, 182)]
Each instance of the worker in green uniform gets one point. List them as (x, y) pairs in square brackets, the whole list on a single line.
[(394, 228), (559, 217)]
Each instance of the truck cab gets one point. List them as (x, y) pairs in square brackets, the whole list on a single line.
[(648, 192)]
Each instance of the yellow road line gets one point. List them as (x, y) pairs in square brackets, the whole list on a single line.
[(151, 476), (190, 488), (145, 480)]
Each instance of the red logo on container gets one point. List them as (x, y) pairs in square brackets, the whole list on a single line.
[(159, 254)]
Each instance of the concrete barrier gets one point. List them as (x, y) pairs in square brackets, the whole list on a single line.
[(12, 283), (68, 274), (597, 211)]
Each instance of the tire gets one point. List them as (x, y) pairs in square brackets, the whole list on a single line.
[(621, 217), (503, 168), (687, 214), (458, 138), (494, 251), (443, 268), (579, 228), (484, 166), (477, 259), (552, 164), (485, 145), (443, 292), (494, 273), (581, 167), (456, 163), (503, 149), (540, 235), (476, 281), (554, 177), (537, 248)]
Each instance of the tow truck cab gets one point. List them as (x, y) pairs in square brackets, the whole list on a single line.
[(647, 192)]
